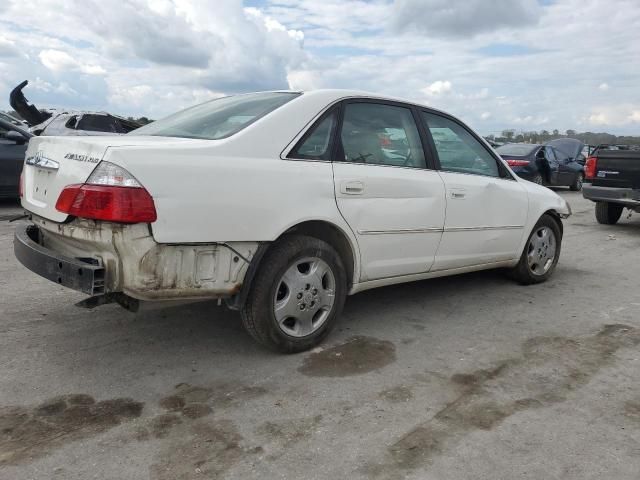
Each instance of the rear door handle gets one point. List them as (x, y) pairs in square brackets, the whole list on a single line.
[(352, 188), (457, 194)]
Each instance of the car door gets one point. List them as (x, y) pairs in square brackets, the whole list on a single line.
[(553, 165), (385, 189), (12, 150), (568, 167), (565, 172), (486, 208)]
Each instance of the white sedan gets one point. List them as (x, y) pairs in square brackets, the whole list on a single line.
[(281, 203)]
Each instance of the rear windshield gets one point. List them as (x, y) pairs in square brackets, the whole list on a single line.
[(219, 118), (515, 149)]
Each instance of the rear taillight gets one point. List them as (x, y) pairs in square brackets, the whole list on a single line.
[(111, 194), (518, 163), (21, 185), (591, 167)]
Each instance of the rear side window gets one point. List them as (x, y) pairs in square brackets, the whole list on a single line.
[(97, 123), (560, 155), (458, 150), (316, 145), (380, 134), (549, 154), (219, 118)]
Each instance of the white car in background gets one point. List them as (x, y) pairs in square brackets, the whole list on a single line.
[(281, 203)]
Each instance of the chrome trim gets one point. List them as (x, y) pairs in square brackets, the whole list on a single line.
[(480, 229), (438, 230), (400, 230), (40, 161)]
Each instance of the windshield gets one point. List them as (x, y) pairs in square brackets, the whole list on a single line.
[(518, 150), (219, 118)]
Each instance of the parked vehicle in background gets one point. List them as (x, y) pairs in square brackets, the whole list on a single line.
[(13, 120), (282, 203), (556, 163), (13, 145), (67, 122), (614, 174)]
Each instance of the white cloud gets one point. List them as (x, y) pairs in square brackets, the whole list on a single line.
[(8, 48), (614, 115), (604, 87), (185, 51), (303, 80), (530, 121), (437, 88), (463, 19), (58, 61)]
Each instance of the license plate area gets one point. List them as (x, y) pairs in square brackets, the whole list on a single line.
[(43, 184)]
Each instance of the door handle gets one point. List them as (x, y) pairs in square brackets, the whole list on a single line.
[(457, 194), (352, 188)]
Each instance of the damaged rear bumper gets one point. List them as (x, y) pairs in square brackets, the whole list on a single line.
[(67, 271), (99, 258)]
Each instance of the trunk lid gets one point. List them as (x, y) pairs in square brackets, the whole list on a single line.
[(52, 163)]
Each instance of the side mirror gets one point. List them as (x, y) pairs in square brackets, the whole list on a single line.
[(16, 137)]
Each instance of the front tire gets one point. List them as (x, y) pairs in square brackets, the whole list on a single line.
[(608, 213), (541, 253), (576, 186), (297, 295)]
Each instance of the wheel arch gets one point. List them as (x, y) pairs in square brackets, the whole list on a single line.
[(334, 236), (320, 229), (556, 217)]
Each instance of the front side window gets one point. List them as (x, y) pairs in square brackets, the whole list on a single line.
[(219, 118), (458, 150), (381, 135), (316, 145)]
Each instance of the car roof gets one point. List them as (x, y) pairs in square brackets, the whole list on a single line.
[(330, 95)]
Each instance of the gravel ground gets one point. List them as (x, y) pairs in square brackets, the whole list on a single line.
[(467, 377)]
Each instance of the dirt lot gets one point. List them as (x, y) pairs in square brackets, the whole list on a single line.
[(471, 377)]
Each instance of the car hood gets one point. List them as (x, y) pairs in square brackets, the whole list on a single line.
[(569, 146)]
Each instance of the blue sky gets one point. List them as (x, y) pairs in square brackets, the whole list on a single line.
[(524, 64)]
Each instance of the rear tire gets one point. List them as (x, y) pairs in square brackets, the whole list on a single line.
[(608, 213), (576, 186), (297, 295), (541, 252)]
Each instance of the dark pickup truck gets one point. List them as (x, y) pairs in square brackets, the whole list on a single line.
[(614, 173)]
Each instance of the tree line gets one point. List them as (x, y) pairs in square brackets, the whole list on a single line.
[(543, 136)]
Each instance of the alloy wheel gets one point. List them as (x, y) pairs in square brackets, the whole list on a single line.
[(541, 250), (304, 297)]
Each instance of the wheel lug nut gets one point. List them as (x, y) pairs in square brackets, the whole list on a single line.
[(307, 287), (302, 306), (312, 304), (315, 291), (299, 295)]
